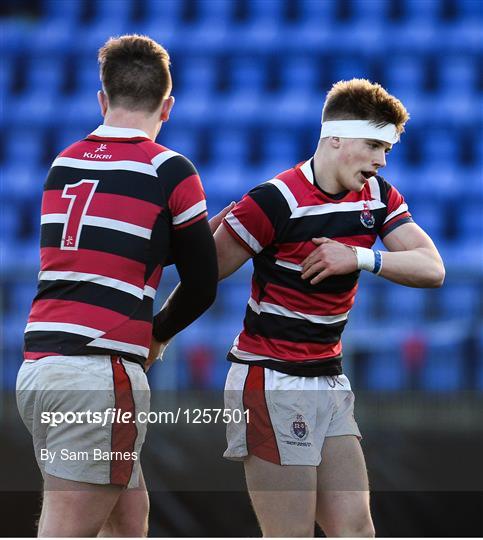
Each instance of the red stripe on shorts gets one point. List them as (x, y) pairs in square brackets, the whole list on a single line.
[(261, 440), (123, 435), (38, 355)]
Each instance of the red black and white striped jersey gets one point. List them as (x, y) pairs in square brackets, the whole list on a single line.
[(291, 325), (110, 204)]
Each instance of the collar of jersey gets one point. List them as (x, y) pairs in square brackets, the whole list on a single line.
[(118, 132), (306, 170)]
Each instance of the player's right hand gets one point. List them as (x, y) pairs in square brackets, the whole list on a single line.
[(156, 350)]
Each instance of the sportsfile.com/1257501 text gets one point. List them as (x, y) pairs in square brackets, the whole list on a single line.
[(118, 416)]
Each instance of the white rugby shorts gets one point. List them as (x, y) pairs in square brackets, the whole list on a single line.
[(288, 417), (80, 447)]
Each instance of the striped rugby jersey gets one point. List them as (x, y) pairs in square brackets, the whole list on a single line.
[(291, 325), (109, 205)]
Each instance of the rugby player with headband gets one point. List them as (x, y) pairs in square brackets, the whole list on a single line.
[(310, 231)]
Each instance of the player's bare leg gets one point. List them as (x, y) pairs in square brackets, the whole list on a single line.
[(343, 489), (129, 517), (75, 508), (283, 497)]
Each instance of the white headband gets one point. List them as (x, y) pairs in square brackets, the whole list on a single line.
[(359, 129)]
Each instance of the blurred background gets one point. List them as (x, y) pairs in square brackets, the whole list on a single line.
[(250, 77)]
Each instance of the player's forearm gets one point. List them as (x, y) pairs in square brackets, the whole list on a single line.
[(420, 267), (185, 304), (195, 255)]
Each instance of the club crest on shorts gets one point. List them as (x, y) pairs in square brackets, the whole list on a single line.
[(299, 428), (367, 218)]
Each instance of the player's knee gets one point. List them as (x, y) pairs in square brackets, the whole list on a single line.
[(49, 529), (363, 530), (123, 524), (360, 528), (295, 530), (125, 527)]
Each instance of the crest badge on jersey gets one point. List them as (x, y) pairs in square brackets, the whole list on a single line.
[(299, 428), (367, 217)]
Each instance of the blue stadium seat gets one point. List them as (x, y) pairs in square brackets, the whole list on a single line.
[(443, 371), (196, 74), (109, 10), (249, 72), (430, 216), (23, 293), (184, 141), (9, 222), (24, 142), (404, 303), (46, 73), (440, 142), (461, 301), (374, 11), (263, 34), (241, 107), (386, 371), (13, 329), (456, 72), (66, 136), (479, 337), (87, 77), (16, 253), (470, 9), (317, 12), (471, 221), (230, 146), (6, 77), (426, 11), (282, 147), (53, 37), (23, 181), (234, 297), (404, 72), (80, 107), (192, 108), (398, 173), (349, 67), (300, 72), (456, 107), (472, 187), (165, 13), (363, 309), (293, 108), (15, 33), (266, 10), (68, 13), (224, 182), (31, 108), (215, 10), (438, 177), (479, 154), (95, 34)]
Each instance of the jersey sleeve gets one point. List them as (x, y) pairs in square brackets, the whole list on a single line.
[(397, 210), (185, 197), (258, 219)]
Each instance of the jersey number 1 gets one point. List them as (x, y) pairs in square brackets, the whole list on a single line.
[(80, 196)]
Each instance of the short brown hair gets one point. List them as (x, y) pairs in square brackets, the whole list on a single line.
[(135, 72), (360, 99)]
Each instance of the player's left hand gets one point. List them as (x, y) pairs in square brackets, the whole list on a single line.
[(330, 258)]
